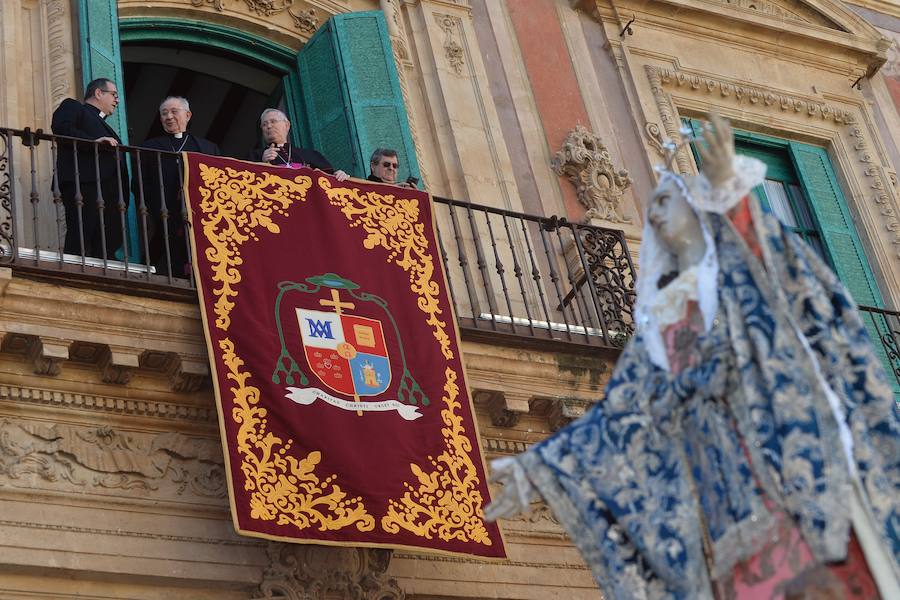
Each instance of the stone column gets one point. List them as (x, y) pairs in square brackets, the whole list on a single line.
[(464, 150)]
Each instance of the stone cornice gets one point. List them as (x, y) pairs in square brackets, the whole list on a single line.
[(89, 403), (885, 7), (718, 20)]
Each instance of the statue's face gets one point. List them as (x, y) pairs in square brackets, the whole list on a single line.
[(671, 216)]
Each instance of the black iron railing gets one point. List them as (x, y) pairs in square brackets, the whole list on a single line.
[(518, 274), (72, 223), (884, 327), (509, 273)]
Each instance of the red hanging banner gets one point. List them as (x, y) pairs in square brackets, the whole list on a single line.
[(343, 409)]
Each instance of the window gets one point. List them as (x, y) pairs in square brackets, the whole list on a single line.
[(782, 194), (802, 191)]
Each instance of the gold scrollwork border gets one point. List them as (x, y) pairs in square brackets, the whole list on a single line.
[(236, 203), (282, 487), (393, 224), (445, 501)]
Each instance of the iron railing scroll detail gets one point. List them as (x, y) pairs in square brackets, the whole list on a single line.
[(516, 274), (7, 200), (884, 326)]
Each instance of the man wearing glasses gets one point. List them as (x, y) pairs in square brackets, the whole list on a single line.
[(99, 176), (383, 168), (279, 151)]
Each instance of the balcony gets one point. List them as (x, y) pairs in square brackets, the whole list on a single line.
[(514, 278)]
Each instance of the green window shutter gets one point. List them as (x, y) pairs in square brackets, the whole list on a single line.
[(351, 96), (837, 228), (101, 54)]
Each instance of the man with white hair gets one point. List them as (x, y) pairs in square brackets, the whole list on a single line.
[(279, 151), (174, 115)]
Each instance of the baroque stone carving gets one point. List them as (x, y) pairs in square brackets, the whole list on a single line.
[(305, 20), (774, 100), (452, 49), (775, 10), (600, 187), (654, 135), (59, 45), (304, 572), (103, 457)]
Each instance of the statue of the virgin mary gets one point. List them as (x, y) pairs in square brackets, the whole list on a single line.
[(748, 445)]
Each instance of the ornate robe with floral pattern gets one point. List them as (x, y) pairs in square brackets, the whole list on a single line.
[(676, 477)]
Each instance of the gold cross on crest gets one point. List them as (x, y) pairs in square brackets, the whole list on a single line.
[(336, 302)]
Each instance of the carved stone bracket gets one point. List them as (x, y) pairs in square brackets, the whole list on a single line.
[(600, 187), (302, 572), (565, 410), (187, 373), (504, 408), (117, 364), (46, 354)]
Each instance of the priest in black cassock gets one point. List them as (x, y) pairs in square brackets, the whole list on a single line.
[(166, 207), (279, 151), (94, 170)]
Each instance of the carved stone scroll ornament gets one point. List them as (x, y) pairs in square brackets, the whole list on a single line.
[(302, 572), (452, 49), (305, 20), (102, 457), (585, 161)]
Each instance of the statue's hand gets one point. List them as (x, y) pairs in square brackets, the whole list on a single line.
[(717, 153), (517, 494)]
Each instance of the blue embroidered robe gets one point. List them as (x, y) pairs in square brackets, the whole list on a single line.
[(665, 460)]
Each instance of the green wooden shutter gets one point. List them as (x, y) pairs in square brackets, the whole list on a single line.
[(351, 94), (101, 54), (836, 225)]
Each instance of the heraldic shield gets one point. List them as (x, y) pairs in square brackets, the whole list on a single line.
[(347, 352)]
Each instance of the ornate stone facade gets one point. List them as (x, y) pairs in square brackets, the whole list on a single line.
[(110, 464), (586, 162)]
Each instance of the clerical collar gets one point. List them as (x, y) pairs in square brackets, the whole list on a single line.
[(179, 136), (102, 114)]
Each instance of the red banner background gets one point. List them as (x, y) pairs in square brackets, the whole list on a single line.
[(320, 471)]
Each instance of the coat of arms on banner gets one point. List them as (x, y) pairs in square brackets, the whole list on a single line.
[(347, 352), (343, 410)]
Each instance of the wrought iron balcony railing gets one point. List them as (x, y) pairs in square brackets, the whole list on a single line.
[(884, 327), (511, 275)]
